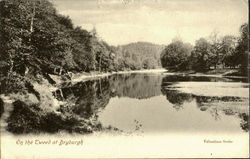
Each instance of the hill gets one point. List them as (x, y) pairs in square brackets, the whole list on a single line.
[(140, 55)]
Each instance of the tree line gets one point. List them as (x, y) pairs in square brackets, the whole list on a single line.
[(37, 40), (139, 55), (33, 33), (209, 53)]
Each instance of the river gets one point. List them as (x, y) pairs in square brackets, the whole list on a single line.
[(158, 113), (163, 103)]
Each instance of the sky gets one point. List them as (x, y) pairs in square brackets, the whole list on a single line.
[(121, 22)]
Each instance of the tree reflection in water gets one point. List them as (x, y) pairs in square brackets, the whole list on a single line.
[(139, 86), (88, 98), (212, 104), (85, 98), (176, 98), (83, 101), (244, 121)]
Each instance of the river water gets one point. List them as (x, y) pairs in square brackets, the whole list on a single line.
[(163, 103), (154, 115)]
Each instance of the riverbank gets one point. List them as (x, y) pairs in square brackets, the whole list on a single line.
[(230, 73), (33, 111), (86, 76)]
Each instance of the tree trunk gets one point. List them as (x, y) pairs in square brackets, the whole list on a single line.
[(32, 20), (61, 93), (100, 61), (10, 70), (60, 71), (100, 85), (11, 64), (26, 70)]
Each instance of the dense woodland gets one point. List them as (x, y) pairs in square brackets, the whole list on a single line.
[(140, 55), (35, 39), (211, 53)]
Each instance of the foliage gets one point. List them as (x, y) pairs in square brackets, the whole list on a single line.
[(211, 53), (201, 55), (242, 49), (227, 50), (175, 55), (140, 55), (32, 119)]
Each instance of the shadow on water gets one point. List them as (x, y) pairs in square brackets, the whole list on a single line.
[(89, 97), (186, 78), (228, 105), (84, 101)]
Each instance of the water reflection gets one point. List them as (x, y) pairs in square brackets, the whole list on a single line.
[(151, 102), (176, 98), (228, 105), (184, 78), (139, 86), (88, 99), (244, 121)]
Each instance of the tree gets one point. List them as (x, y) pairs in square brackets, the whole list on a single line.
[(15, 32), (175, 55), (201, 55), (242, 48), (227, 51), (214, 54), (83, 52)]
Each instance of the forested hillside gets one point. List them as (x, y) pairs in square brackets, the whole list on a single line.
[(141, 54), (35, 39)]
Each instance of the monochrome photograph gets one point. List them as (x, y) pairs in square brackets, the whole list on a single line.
[(124, 79)]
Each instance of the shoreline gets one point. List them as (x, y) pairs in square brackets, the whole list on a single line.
[(224, 74), (88, 76), (85, 76), (205, 75)]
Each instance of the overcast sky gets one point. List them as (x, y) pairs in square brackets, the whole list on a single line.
[(157, 21)]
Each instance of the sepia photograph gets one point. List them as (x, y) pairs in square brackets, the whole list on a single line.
[(124, 79)]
